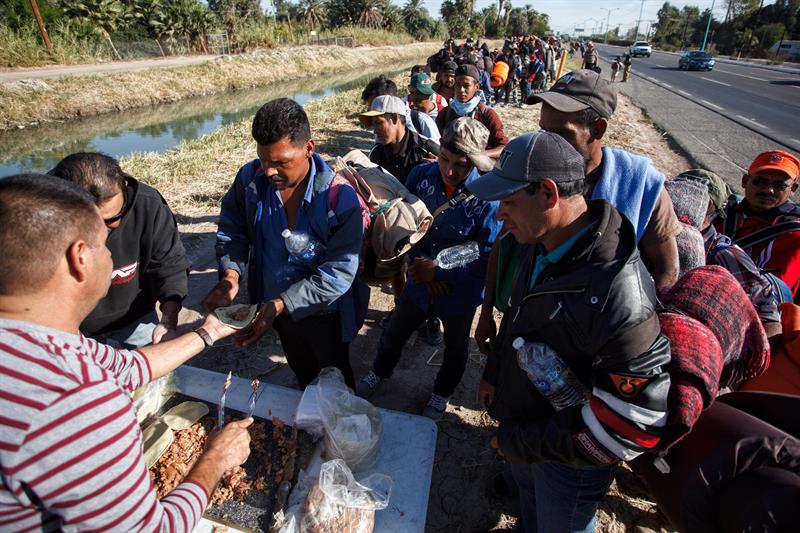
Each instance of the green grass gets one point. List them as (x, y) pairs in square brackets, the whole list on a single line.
[(24, 48)]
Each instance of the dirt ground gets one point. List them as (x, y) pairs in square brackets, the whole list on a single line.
[(460, 500)]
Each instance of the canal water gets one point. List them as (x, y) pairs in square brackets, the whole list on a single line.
[(160, 128)]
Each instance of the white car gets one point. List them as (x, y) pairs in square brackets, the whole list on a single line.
[(640, 48)]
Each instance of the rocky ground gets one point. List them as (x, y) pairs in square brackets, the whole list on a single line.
[(460, 499)]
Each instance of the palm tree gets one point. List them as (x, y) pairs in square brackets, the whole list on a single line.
[(313, 12), (370, 13)]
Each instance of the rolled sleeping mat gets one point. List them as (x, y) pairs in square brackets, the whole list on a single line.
[(499, 74)]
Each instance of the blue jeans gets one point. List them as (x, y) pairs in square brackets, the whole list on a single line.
[(406, 318), (559, 498)]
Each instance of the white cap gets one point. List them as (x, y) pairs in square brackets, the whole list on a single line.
[(285, 233), (518, 343)]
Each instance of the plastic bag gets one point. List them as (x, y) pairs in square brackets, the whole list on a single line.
[(340, 504), (353, 426)]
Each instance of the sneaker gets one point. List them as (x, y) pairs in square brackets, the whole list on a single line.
[(433, 332), (384, 322), (435, 408), (367, 385)]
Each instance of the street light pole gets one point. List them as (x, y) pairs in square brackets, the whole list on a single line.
[(708, 25), (608, 20), (639, 21)]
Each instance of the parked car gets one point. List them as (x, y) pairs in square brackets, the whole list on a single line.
[(696, 60), (640, 48)]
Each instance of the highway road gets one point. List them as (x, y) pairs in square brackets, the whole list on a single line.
[(764, 101)]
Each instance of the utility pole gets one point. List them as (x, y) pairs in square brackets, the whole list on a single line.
[(708, 25), (608, 20), (639, 21), (42, 29)]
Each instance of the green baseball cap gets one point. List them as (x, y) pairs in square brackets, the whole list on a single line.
[(422, 83)]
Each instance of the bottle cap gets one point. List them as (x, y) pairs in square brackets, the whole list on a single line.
[(285, 233), (518, 343)]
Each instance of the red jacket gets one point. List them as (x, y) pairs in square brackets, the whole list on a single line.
[(779, 255)]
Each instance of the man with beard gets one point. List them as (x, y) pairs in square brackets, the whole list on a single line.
[(446, 80)]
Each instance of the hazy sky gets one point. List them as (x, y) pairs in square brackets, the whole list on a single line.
[(566, 15)]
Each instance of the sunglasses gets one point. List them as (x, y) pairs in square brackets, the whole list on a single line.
[(760, 182), (123, 209)]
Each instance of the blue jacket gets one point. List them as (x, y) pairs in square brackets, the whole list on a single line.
[(469, 221), (249, 235)]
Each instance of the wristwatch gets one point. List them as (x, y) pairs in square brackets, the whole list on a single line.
[(205, 336)]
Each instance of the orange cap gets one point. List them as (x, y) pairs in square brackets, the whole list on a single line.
[(776, 160)]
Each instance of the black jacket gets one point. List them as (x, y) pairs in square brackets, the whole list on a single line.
[(413, 151), (150, 264), (596, 309)]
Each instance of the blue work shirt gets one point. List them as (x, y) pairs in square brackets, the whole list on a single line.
[(473, 220), (544, 258), (251, 221)]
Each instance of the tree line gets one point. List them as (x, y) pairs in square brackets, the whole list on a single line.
[(749, 27)]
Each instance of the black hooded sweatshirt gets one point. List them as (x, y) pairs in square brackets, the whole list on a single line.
[(150, 264)]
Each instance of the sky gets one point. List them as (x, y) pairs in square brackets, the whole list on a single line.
[(566, 15)]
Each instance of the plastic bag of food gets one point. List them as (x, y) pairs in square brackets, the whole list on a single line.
[(353, 426), (149, 399), (340, 504)]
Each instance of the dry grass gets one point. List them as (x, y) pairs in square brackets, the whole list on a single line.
[(23, 104)]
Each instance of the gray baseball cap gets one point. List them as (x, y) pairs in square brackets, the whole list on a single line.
[(579, 90), (470, 137), (382, 105), (526, 159)]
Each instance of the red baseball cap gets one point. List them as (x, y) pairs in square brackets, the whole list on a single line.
[(776, 160)]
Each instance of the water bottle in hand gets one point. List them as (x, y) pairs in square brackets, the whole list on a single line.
[(301, 247), (457, 256), (552, 377)]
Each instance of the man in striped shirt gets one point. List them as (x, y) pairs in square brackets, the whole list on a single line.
[(70, 446)]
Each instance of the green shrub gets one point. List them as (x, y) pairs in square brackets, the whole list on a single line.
[(24, 47)]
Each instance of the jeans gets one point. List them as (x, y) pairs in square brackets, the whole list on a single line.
[(135, 335), (406, 318), (559, 498), (310, 344)]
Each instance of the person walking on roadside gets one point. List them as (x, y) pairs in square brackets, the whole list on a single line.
[(616, 66), (766, 223), (397, 149), (416, 120), (467, 104), (626, 67), (590, 57), (450, 294), (446, 80), (150, 264), (317, 303), (70, 444), (422, 97), (583, 308)]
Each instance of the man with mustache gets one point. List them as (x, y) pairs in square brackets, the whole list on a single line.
[(766, 223), (317, 303)]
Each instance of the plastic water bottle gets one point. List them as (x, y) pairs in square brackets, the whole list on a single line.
[(301, 247), (457, 256), (550, 375)]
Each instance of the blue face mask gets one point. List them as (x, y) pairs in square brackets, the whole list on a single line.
[(463, 109)]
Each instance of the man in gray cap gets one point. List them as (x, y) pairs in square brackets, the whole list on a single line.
[(397, 148), (449, 292), (580, 357), (578, 107), (446, 80)]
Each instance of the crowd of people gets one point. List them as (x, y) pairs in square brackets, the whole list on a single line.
[(645, 320)]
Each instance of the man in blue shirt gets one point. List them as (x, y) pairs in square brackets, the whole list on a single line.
[(316, 305), (452, 294)]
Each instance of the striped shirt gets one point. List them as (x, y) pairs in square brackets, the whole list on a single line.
[(70, 445)]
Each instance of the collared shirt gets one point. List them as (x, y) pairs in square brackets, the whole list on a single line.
[(545, 258), (413, 149)]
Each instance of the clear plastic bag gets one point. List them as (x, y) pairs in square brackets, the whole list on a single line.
[(353, 426), (340, 504)]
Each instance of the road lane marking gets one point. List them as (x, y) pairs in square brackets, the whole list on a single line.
[(742, 75), (716, 81), (684, 93), (662, 66), (795, 140), (715, 106), (751, 121), (666, 85)]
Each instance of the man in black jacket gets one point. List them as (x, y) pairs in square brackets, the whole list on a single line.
[(397, 148), (583, 299), (150, 264)]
